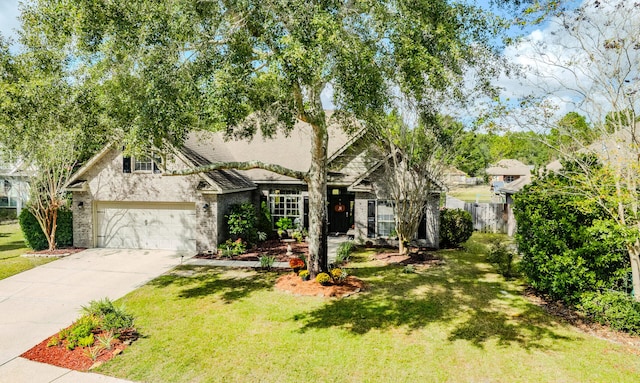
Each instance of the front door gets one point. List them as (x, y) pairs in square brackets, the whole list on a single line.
[(340, 212)]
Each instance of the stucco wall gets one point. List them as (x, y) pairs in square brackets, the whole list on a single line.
[(107, 182)]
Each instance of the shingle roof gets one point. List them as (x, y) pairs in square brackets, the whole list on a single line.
[(226, 180), (292, 150), (508, 167)]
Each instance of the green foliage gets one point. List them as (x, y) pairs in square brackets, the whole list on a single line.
[(284, 223), (502, 257), (568, 243), (343, 252), (338, 275), (7, 214), (267, 261), (612, 308), (110, 317), (242, 222), (53, 341), (35, 237), (86, 341), (105, 340), (456, 227), (323, 278), (264, 220), (231, 248)]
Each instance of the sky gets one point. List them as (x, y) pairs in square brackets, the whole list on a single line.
[(528, 53)]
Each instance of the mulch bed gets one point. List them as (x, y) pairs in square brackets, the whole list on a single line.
[(575, 319), (55, 253), (76, 359), (295, 285), (271, 247), (419, 257)]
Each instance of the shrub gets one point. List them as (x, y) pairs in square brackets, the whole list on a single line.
[(456, 227), (284, 223), (338, 275), (267, 261), (304, 275), (502, 258), (296, 263), (568, 244), (343, 252), (35, 238), (242, 221), (613, 308), (264, 219), (323, 278), (110, 318), (86, 341), (231, 248)]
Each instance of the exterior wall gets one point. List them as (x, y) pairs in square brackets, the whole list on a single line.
[(107, 182), (432, 217), (222, 204)]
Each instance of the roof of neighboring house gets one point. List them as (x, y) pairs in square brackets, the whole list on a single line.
[(509, 167), (453, 171), (516, 186)]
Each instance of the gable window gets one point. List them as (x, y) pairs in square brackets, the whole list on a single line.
[(142, 164), (285, 203), (508, 179)]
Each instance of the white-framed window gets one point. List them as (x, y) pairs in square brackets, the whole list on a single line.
[(143, 164), (285, 203), (508, 179), (385, 218)]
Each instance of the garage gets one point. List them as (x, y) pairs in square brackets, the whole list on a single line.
[(143, 225)]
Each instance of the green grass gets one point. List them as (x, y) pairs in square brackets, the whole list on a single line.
[(12, 246), (481, 193), (459, 322)]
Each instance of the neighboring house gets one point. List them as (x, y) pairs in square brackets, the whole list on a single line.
[(505, 172), (453, 176), (124, 202), (14, 185), (509, 190)]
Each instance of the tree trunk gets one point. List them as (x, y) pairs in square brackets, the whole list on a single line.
[(51, 237), (317, 186), (634, 257), (401, 247)]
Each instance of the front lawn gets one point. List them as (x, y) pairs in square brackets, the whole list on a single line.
[(12, 246), (456, 322)]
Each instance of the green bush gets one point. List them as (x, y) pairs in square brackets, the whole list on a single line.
[(7, 214), (267, 261), (35, 238), (502, 258), (612, 308), (343, 252), (568, 244), (242, 222), (111, 318), (456, 227), (264, 220)]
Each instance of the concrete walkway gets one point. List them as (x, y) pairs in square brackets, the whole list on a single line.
[(39, 302)]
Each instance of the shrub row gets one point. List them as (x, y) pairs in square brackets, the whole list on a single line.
[(35, 238)]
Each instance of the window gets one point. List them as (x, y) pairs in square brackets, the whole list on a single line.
[(285, 203), (386, 223), (508, 179), (143, 164)]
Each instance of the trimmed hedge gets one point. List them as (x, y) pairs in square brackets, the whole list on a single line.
[(35, 238), (612, 308), (456, 227)]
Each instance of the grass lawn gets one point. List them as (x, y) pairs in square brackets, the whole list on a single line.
[(12, 246), (459, 322), (469, 194)]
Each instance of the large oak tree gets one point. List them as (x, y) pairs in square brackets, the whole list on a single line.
[(168, 67)]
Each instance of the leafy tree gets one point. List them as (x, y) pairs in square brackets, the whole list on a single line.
[(595, 67), (569, 244), (239, 66)]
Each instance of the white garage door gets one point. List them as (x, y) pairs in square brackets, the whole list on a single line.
[(131, 225)]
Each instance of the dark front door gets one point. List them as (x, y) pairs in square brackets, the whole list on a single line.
[(340, 213)]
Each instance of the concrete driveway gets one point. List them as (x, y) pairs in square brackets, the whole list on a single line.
[(39, 302)]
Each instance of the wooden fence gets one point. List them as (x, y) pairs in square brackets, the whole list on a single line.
[(487, 217)]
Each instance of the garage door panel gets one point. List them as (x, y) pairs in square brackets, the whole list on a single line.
[(146, 226)]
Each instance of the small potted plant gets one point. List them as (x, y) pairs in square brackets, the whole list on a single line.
[(324, 279), (296, 264), (304, 275)]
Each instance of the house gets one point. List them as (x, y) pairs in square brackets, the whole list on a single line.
[(506, 171), (14, 186), (509, 190), (127, 202)]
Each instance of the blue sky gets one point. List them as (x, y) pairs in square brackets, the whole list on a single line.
[(8, 17)]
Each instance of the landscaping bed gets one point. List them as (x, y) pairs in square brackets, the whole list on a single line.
[(271, 247), (293, 284)]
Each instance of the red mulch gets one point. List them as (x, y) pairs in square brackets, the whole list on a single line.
[(77, 358), (295, 285), (272, 247)]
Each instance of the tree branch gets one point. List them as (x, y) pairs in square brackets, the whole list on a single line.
[(240, 166)]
